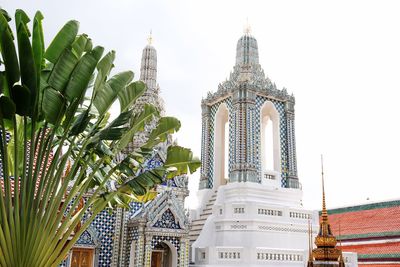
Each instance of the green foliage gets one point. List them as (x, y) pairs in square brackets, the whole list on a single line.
[(54, 103)]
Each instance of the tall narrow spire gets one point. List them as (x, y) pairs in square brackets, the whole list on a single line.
[(324, 211), (148, 68), (325, 241)]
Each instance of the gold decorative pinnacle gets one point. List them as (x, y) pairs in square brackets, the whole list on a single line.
[(325, 241)]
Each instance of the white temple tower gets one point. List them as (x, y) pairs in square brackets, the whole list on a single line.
[(250, 211)]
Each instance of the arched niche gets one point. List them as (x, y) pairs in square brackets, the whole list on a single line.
[(221, 146), (164, 254), (270, 122)]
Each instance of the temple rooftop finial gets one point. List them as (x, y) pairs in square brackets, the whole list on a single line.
[(247, 27), (324, 211), (247, 49), (150, 38)]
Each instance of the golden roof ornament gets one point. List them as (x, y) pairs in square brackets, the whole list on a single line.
[(325, 241)]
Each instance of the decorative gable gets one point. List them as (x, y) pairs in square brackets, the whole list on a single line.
[(167, 220)]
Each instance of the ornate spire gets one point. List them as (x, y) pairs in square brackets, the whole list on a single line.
[(247, 48), (148, 69), (325, 241), (324, 211)]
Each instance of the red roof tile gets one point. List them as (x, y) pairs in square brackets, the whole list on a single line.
[(386, 219), (383, 248)]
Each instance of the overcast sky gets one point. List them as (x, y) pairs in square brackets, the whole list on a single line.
[(341, 59)]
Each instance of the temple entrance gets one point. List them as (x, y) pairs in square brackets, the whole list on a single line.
[(164, 255)]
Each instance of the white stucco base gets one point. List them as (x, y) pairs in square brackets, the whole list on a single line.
[(256, 225)]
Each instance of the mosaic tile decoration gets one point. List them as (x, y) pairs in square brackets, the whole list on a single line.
[(132, 235), (135, 207), (104, 224), (232, 149), (85, 239), (167, 220), (280, 107)]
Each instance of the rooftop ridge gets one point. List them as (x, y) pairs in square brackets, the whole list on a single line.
[(370, 206)]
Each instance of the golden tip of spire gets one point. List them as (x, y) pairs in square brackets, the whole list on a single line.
[(150, 38)]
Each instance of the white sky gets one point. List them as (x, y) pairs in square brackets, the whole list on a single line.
[(341, 59)]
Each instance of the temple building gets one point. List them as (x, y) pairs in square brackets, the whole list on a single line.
[(371, 230), (250, 209), (153, 234)]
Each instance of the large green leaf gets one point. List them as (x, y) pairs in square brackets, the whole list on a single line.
[(7, 107), (27, 61), (138, 122), (53, 105), (63, 39), (22, 99), (38, 42), (181, 161), (129, 95), (165, 127), (80, 123), (115, 129), (106, 63), (8, 52), (82, 73), (79, 45), (108, 92), (62, 70)]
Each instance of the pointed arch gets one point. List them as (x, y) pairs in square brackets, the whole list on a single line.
[(269, 117), (221, 143)]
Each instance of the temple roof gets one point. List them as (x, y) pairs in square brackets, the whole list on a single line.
[(247, 71), (381, 248), (372, 230), (367, 221)]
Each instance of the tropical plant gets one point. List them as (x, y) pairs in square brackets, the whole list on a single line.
[(58, 150)]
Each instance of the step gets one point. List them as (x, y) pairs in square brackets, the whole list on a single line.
[(198, 227), (205, 215), (206, 210), (199, 220)]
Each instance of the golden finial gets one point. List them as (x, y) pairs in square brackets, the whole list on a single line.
[(324, 212), (247, 28), (150, 38)]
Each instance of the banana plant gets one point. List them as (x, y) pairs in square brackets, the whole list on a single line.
[(59, 149)]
